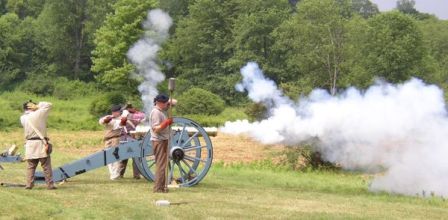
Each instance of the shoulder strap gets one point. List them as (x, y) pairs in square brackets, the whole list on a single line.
[(37, 131)]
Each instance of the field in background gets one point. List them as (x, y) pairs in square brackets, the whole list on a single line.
[(74, 114), (232, 189)]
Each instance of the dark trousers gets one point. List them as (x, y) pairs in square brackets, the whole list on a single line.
[(124, 164), (161, 156), (45, 163)]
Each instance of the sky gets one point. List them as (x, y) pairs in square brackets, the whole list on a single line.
[(437, 7)]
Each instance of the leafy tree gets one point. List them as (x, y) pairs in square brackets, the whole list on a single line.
[(198, 48), (406, 6), (119, 31), (3, 7), (10, 57), (24, 8), (395, 48), (311, 44), (67, 29), (435, 35), (17, 54), (251, 33), (365, 8), (355, 73), (177, 9)]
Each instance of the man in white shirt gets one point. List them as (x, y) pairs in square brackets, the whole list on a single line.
[(34, 122)]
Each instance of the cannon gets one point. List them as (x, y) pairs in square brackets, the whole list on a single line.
[(9, 156), (190, 156)]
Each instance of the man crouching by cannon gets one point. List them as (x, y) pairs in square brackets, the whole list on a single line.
[(114, 124), (37, 148)]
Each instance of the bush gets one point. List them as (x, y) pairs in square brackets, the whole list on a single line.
[(102, 104), (303, 158), (256, 111), (68, 89), (38, 84), (200, 102)]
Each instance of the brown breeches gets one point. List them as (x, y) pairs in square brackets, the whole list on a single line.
[(46, 166), (161, 156)]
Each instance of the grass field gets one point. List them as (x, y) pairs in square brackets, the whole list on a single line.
[(227, 192)]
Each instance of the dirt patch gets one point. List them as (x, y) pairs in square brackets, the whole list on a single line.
[(231, 149), (226, 148)]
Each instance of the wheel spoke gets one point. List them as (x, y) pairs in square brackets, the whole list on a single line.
[(152, 164), (189, 167), (193, 159), (191, 138), (180, 171), (170, 176), (193, 148), (182, 133)]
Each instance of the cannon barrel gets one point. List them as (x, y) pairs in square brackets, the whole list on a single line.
[(142, 130)]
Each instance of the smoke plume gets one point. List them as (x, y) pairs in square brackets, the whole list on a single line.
[(399, 131), (143, 55)]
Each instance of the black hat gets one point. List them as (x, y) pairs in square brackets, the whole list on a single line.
[(115, 108), (161, 98)]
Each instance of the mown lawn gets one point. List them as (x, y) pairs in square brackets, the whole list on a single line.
[(227, 192)]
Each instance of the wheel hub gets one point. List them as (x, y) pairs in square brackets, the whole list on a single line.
[(177, 153)]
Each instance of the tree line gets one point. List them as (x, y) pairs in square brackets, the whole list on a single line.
[(331, 44)]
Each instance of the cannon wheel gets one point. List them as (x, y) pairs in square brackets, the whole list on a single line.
[(190, 157)]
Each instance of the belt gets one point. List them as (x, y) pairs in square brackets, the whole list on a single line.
[(35, 139)]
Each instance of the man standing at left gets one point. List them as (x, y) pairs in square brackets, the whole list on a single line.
[(34, 122)]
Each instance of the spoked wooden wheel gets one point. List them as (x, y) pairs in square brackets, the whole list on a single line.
[(190, 154)]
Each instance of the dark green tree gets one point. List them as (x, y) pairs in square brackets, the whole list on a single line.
[(177, 9), (24, 8), (198, 48), (18, 52), (67, 29), (120, 30)]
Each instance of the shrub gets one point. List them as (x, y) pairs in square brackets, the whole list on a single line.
[(303, 158), (68, 89), (39, 84), (201, 102), (256, 111), (101, 105)]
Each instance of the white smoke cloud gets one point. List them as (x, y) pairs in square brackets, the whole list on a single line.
[(399, 130), (143, 54)]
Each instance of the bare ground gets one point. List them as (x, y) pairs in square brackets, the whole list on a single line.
[(226, 148)]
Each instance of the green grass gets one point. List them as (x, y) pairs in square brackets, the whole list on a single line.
[(74, 114), (227, 192), (66, 114)]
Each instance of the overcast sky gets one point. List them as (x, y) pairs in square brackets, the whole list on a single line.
[(437, 7)]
